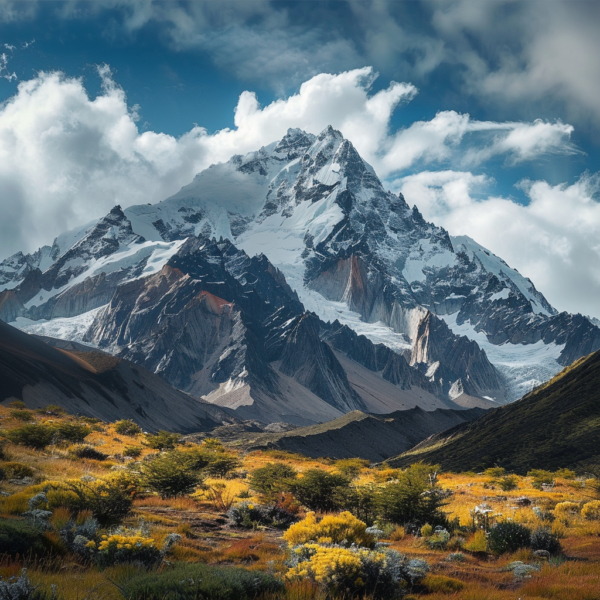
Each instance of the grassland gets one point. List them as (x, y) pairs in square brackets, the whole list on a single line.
[(207, 537)]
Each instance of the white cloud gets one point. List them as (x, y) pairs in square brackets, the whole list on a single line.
[(554, 239), (66, 158)]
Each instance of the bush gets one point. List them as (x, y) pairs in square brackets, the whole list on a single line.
[(564, 509), (440, 584), (18, 537), (438, 540), (508, 483), (162, 440), (52, 409), (127, 427), (87, 452), (21, 588), (186, 581), (170, 475), (351, 467), (132, 451), (22, 415), (508, 537), (221, 464), (360, 501), (34, 436), (248, 515), (331, 529), (591, 510), (349, 572), (272, 480), (73, 432), (540, 476), (319, 490), (426, 530), (15, 470), (565, 474), (125, 547), (17, 404), (413, 499), (543, 539), (495, 472), (478, 543), (109, 500)]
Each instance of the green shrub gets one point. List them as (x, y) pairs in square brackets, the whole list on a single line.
[(221, 464), (508, 483), (127, 427), (272, 479), (88, 452), (18, 537), (72, 432), (110, 500), (170, 474), (187, 581), (540, 476), (248, 515), (495, 472), (565, 474), (15, 470), (544, 539), (52, 409), (17, 404), (34, 436), (162, 440), (319, 490), (413, 499), (22, 415), (132, 451), (351, 467), (508, 537)]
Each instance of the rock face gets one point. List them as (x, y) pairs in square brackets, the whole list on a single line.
[(97, 385), (328, 277)]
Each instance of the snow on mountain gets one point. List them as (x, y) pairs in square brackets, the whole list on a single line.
[(494, 264), (351, 250)]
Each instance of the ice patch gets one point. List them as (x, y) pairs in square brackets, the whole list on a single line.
[(71, 328), (524, 366)]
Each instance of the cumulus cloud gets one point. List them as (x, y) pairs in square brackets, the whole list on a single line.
[(66, 157), (554, 239)]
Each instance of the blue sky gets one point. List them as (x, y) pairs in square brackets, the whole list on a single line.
[(500, 176)]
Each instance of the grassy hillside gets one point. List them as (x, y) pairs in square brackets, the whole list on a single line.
[(361, 435), (557, 425)]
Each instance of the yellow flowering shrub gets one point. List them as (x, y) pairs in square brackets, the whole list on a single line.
[(591, 510), (125, 548), (338, 569), (350, 571), (566, 508), (331, 529)]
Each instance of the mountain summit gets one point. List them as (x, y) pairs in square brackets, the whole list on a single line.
[(331, 281)]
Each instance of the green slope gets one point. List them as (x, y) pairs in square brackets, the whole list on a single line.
[(557, 425)]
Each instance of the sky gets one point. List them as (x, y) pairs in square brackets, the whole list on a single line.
[(483, 114)]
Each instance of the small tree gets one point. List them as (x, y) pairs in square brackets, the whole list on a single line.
[(73, 432), (171, 475), (272, 479), (318, 490), (127, 427), (34, 436), (162, 440), (508, 537), (415, 498), (351, 467)]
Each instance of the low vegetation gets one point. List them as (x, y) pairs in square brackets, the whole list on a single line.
[(94, 510)]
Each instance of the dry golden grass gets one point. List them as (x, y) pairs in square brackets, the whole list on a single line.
[(207, 538)]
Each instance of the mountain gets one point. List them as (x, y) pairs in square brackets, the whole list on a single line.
[(361, 435), (555, 426), (95, 384), (329, 280)]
